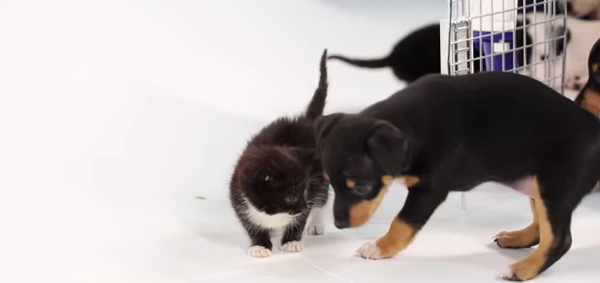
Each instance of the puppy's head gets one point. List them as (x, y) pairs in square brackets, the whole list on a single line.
[(361, 157)]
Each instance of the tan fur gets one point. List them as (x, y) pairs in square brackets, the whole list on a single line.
[(410, 181), (524, 237), (350, 184), (361, 212), (595, 67), (530, 267), (399, 236), (591, 101)]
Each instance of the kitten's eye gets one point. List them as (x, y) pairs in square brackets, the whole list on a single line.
[(290, 199)]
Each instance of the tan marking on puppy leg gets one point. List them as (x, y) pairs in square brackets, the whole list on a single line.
[(530, 267), (591, 101), (526, 237), (410, 181), (399, 236), (350, 184), (361, 212)]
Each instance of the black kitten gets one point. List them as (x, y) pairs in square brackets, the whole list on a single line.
[(278, 179)]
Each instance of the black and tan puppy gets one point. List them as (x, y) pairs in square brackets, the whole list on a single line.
[(451, 133), (589, 96)]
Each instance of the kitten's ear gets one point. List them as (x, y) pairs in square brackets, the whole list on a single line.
[(389, 147)]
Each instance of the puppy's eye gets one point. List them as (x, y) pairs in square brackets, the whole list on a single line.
[(267, 178), (362, 190)]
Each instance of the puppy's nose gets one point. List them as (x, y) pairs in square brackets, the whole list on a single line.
[(342, 223)]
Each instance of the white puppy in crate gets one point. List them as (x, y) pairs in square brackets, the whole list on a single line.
[(546, 66), (584, 8)]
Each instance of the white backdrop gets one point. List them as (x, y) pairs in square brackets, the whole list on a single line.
[(115, 115)]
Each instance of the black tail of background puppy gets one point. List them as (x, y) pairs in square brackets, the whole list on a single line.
[(375, 63), (317, 103)]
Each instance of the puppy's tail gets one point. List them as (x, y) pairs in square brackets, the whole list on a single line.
[(317, 103), (373, 63)]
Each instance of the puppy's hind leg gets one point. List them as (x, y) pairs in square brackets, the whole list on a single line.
[(555, 199), (524, 238)]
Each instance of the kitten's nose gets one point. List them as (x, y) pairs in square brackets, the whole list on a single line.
[(342, 223)]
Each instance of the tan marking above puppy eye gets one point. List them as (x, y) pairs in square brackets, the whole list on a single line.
[(595, 67), (350, 184), (326, 176)]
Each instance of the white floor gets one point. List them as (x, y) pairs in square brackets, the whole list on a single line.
[(116, 115)]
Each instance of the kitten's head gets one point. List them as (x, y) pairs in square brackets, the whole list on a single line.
[(275, 179)]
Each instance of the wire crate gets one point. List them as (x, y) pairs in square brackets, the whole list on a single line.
[(526, 37)]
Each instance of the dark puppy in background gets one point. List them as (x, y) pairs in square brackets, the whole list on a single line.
[(418, 54), (277, 182), (452, 133)]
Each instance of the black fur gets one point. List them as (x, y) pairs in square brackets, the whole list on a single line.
[(278, 172), (414, 56), (456, 132)]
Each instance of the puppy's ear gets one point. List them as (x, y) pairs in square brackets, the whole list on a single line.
[(323, 124), (389, 148)]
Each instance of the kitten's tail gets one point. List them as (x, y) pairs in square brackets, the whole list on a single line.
[(317, 103), (374, 63)]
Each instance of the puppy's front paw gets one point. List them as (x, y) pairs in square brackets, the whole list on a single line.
[(521, 271), (369, 251), (292, 247), (259, 251), (315, 229)]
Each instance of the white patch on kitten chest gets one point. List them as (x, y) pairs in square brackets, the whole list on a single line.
[(264, 220)]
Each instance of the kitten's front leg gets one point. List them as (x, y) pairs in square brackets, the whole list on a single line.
[(292, 235), (316, 225), (261, 242)]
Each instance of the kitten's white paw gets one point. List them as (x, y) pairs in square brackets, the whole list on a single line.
[(259, 251), (369, 251), (292, 247), (315, 229)]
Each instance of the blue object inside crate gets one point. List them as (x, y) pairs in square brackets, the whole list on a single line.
[(495, 62)]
